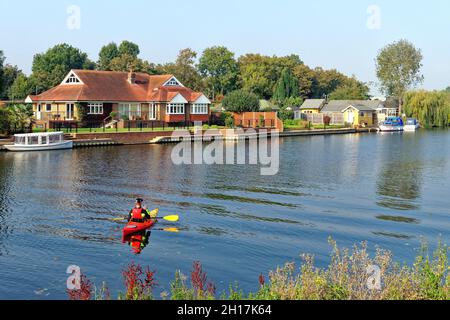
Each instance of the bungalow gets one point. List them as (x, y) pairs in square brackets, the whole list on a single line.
[(359, 112), (101, 97), (312, 106)]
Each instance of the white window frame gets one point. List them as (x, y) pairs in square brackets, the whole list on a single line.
[(95, 108), (176, 108), (152, 111), (128, 110), (200, 108)]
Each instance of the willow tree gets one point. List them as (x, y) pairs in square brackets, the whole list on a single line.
[(431, 108), (399, 68)]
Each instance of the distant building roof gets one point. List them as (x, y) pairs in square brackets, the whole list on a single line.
[(313, 104), (361, 105)]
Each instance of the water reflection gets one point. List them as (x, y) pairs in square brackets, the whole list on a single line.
[(400, 181), (138, 241), (399, 186)]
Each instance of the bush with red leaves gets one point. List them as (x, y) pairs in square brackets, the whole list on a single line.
[(85, 291), (199, 280), (139, 284)]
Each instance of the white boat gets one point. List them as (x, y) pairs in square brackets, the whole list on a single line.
[(392, 124), (412, 125), (40, 142)]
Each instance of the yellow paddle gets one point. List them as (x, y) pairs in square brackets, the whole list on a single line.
[(175, 230), (172, 218)]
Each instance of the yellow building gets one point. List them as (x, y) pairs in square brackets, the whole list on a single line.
[(359, 116), (356, 112), (309, 106)]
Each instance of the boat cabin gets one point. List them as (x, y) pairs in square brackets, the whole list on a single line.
[(47, 138)]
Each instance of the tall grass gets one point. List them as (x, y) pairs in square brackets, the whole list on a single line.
[(347, 277)]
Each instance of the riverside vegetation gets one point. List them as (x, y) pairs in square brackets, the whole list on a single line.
[(345, 278)]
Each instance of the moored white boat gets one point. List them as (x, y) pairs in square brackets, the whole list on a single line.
[(392, 124), (40, 142), (412, 125)]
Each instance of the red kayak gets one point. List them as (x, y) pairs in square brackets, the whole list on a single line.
[(135, 227)]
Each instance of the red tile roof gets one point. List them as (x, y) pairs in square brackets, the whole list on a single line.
[(114, 87)]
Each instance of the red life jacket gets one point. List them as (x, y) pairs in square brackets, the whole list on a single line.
[(137, 214)]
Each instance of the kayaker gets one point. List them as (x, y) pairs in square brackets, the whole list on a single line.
[(139, 213)]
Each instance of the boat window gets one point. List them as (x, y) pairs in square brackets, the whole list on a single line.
[(33, 140), (54, 139), (43, 140), (20, 140)]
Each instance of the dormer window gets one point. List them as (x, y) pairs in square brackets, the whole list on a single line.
[(172, 82), (72, 79)]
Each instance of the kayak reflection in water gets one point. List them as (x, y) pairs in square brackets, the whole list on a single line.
[(139, 213), (139, 241)]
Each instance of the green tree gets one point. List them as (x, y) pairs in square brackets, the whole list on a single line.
[(50, 68), (220, 68), (325, 82), (129, 48), (2, 60), (15, 118), (399, 68), (106, 55), (184, 69), (21, 88), (287, 87), (10, 73), (260, 74), (126, 62), (305, 76), (432, 109), (241, 101), (354, 90)]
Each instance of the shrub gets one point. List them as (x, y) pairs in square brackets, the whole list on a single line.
[(241, 101)]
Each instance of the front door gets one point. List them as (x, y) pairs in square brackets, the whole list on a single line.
[(350, 116), (69, 111)]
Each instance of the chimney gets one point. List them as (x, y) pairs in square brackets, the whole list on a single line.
[(131, 77)]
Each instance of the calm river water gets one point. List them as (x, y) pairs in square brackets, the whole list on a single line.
[(389, 189)]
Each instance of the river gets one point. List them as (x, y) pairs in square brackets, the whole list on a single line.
[(389, 189)]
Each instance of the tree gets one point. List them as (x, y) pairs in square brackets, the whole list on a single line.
[(50, 68), (447, 89), (106, 55), (241, 101), (255, 75), (305, 76), (287, 87), (15, 118), (325, 82), (432, 109), (184, 69), (399, 68), (2, 60), (260, 74), (21, 88), (220, 68), (129, 48), (10, 74), (126, 62), (354, 90)]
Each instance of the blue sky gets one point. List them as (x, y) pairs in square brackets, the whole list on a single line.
[(332, 34)]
